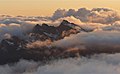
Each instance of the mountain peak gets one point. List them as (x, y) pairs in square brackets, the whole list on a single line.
[(45, 25), (65, 22), (37, 25), (36, 29), (68, 24)]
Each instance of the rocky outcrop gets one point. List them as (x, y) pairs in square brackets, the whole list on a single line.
[(52, 33), (13, 49), (10, 49)]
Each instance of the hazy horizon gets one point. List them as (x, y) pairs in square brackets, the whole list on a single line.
[(47, 7)]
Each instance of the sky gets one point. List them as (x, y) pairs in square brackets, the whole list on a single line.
[(47, 7)]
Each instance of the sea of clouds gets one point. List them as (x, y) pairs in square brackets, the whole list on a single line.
[(105, 24), (97, 64)]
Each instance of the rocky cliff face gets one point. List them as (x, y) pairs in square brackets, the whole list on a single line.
[(14, 48), (45, 32)]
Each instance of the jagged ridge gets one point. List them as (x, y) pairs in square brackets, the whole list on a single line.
[(13, 49)]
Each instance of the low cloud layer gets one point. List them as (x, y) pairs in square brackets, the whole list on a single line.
[(105, 41), (97, 64)]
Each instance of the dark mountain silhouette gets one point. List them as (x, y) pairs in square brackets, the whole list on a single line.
[(54, 33), (14, 48)]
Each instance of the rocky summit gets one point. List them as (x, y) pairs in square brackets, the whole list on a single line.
[(45, 31), (13, 49)]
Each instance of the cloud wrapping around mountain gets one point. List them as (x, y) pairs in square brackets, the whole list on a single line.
[(106, 33), (20, 26), (98, 40)]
